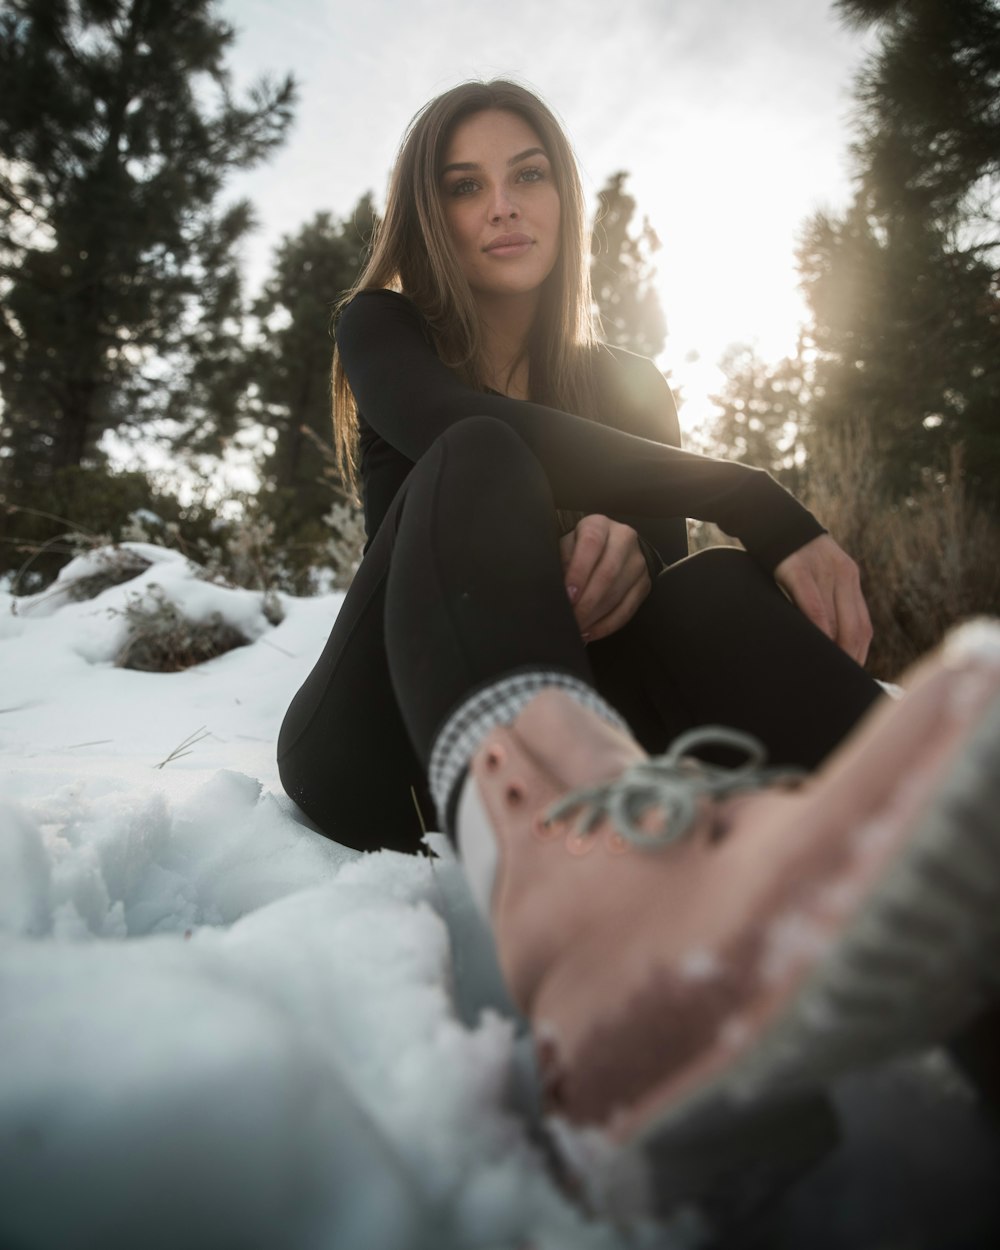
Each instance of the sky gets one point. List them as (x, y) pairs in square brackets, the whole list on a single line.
[(730, 116)]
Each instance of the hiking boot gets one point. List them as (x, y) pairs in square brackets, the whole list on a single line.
[(699, 947)]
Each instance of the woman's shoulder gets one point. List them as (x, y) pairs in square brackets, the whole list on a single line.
[(377, 314), (377, 301), (634, 387), (619, 362), (379, 294)]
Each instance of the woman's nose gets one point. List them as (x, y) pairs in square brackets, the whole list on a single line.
[(503, 207)]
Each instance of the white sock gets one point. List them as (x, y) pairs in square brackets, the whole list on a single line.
[(477, 845), (498, 704)]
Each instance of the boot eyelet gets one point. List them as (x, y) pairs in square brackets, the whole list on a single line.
[(545, 830), (494, 758), (579, 844), (514, 794)]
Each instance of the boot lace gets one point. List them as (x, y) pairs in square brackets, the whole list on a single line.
[(674, 783)]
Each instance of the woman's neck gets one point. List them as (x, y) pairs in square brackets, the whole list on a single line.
[(506, 324)]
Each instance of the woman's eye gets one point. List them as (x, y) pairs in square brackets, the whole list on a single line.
[(531, 174), (463, 187)]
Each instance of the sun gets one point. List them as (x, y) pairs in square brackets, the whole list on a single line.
[(726, 269), (712, 302)]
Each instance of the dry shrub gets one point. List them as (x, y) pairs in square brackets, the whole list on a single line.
[(927, 562), (345, 544), (161, 639), (116, 565)]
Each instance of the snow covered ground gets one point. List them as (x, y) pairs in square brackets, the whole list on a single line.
[(219, 1029)]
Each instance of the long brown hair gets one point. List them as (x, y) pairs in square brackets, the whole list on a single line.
[(412, 253)]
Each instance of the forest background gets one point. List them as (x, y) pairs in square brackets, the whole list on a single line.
[(126, 318)]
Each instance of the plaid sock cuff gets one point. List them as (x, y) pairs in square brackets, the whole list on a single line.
[(493, 705)]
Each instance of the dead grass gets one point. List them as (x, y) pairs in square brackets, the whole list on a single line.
[(927, 563)]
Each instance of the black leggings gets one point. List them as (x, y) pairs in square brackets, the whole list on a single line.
[(463, 584)]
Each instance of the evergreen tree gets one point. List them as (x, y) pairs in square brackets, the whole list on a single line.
[(905, 327), (903, 288), (117, 266), (622, 270), (290, 391), (764, 414), (929, 127)]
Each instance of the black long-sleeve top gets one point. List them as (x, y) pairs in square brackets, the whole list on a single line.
[(630, 469)]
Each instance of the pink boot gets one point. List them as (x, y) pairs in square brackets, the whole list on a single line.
[(688, 971)]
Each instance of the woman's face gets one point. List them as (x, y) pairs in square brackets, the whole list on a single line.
[(501, 204)]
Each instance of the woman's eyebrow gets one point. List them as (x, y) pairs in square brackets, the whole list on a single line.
[(466, 166), (521, 156)]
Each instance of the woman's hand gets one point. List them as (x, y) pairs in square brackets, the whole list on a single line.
[(605, 574), (824, 582)]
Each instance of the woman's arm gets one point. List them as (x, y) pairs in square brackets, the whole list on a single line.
[(639, 398), (409, 397), (825, 585), (610, 563)]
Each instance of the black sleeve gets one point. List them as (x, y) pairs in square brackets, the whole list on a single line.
[(638, 399), (655, 561), (409, 397)]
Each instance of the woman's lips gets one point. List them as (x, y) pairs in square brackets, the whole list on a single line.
[(509, 245)]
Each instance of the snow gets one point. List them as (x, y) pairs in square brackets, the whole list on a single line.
[(220, 1029)]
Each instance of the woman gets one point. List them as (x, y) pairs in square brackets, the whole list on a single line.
[(526, 673)]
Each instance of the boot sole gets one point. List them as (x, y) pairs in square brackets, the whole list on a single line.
[(919, 959)]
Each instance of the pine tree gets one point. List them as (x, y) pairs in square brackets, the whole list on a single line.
[(622, 272), (117, 265), (905, 329), (929, 127), (763, 416), (904, 287), (291, 380)]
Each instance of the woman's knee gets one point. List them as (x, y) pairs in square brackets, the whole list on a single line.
[(474, 457), (483, 438)]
